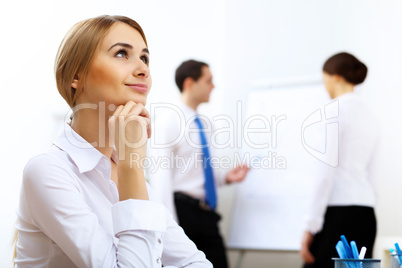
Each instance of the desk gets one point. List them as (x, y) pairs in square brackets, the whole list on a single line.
[(239, 258)]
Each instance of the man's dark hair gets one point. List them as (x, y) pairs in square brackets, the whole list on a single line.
[(189, 68)]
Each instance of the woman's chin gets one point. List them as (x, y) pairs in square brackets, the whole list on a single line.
[(142, 100)]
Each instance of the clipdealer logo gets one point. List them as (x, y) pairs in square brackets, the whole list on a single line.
[(327, 118), (238, 133)]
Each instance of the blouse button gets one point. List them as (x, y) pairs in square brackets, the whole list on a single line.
[(158, 260)]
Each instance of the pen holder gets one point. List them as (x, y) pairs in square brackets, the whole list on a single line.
[(396, 260), (354, 263)]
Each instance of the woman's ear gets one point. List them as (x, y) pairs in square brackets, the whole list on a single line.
[(338, 78), (76, 82)]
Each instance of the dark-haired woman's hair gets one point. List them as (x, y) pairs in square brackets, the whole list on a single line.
[(189, 68), (348, 66)]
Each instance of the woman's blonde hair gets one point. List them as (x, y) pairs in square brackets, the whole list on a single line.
[(77, 51), (13, 243)]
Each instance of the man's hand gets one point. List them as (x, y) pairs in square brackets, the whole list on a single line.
[(237, 174)]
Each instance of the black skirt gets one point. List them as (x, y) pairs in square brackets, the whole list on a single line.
[(357, 223)]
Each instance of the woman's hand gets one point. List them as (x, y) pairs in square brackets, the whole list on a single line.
[(129, 128), (304, 252)]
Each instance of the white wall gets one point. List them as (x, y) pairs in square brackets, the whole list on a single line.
[(242, 42)]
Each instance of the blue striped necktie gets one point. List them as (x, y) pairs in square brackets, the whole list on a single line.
[(210, 191)]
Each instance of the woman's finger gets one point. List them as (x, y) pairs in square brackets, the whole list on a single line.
[(145, 113), (140, 110), (149, 131), (118, 110), (127, 108), (137, 109)]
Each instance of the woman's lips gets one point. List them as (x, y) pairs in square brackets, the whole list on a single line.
[(139, 87)]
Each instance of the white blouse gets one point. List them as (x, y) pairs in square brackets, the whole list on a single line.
[(351, 181), (70, 216)]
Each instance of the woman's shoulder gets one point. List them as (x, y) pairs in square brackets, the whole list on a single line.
[(353, 105), (52, 163)]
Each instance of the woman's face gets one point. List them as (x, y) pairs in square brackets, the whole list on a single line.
[(119, 71)]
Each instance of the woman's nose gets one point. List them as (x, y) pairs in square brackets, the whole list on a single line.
[(141, 69)]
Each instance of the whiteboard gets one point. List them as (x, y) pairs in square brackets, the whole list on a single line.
[(271, 202)]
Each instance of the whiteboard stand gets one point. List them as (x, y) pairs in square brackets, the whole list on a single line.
[(240, 258)]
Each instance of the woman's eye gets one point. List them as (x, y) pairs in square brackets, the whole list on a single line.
[(122, 54), (145, 59)]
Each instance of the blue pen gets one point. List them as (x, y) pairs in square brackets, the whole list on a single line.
[(342, 253), (347, 247), (339, 249), (355, 253), (398, 250)]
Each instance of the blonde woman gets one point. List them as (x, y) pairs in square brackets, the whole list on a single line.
[(83, 203)]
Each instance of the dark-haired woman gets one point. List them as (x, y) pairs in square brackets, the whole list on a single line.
[(344, 194)]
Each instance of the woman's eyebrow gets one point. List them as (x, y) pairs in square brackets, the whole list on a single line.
[(121, 44), (127, 46)]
